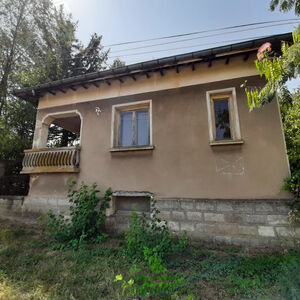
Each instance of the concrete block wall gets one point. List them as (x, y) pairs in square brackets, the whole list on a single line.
[(27, 209), (237, 222), (251, 223)]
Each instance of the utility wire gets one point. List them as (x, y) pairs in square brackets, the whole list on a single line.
[(201, 37), (198, 32), (178, 48), (199, 45), (170, 49)]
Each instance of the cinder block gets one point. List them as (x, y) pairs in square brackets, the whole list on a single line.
[(201, 237), (165, 215), (178, 215), (223, 239), (187, 226), (174, 226), (243, 207), (36, 201), (204, 205), (283, 208), (167, 204), (248, 230), (233, 218), (256, 241), (224, 206), (285, 232), (194, 216), (277, 220), (240, 241), (187, 205), (228, 229), (266, 231), (213, 217), (205, 228), (256, 219), (277, 242), (52, 202), (264, 207)]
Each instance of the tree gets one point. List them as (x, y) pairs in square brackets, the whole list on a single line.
[(286, 5), (14, 36), (38, 44), (117, 63), (278, 70)]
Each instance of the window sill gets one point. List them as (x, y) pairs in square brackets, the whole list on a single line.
[(136, 148), (228, 142)]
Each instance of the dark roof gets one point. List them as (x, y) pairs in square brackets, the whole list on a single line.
[(33, 93)]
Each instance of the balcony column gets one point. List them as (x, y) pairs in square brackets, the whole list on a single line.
[(41, 134)]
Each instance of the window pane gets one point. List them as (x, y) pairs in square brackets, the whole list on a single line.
[(142, 130), (222, 119), (126, 129)]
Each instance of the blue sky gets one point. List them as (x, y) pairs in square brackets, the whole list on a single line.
[(129, 20)]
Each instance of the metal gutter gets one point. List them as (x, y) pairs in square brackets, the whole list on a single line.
[(32, 93)]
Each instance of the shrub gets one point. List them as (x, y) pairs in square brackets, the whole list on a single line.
[(153, 233), (291, 127), (87, 215), (292, 185)]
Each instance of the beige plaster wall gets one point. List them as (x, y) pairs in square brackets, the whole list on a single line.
[(219, 71), (183, 164)]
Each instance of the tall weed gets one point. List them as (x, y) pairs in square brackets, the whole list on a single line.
[(151, 233)]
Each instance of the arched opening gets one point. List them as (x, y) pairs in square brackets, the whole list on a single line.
[(64, 132), (56, 144), (59, 130)]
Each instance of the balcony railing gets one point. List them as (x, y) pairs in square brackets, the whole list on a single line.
[(51, 160)]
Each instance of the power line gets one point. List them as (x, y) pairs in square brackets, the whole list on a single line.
[(178, 48), (199, 45), (198, 32), (201, 37)]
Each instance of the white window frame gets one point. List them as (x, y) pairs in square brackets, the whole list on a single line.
[(116, 109), (233, 114)]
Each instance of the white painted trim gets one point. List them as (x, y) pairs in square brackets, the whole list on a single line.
[(236, 116), (236, 124), (116, 106), (210, 129), (44, 122)]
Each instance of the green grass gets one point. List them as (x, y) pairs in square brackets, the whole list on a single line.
[(31, 269)]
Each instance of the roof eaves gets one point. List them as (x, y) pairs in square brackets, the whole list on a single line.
[(157, 64)]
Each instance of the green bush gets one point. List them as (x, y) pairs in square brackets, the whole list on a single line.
[(153, 233), (289, 280), (291, 126), (87, 215)]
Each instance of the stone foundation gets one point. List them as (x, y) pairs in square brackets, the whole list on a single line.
[(27, 210), (253, 223)]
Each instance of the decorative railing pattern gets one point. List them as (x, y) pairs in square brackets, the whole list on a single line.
[(51, 160)]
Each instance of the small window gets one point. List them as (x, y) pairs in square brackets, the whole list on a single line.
[(222, 121), (131, 125), (134, 128), (223, 116)]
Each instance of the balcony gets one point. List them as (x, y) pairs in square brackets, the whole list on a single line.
[(51, 160)]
